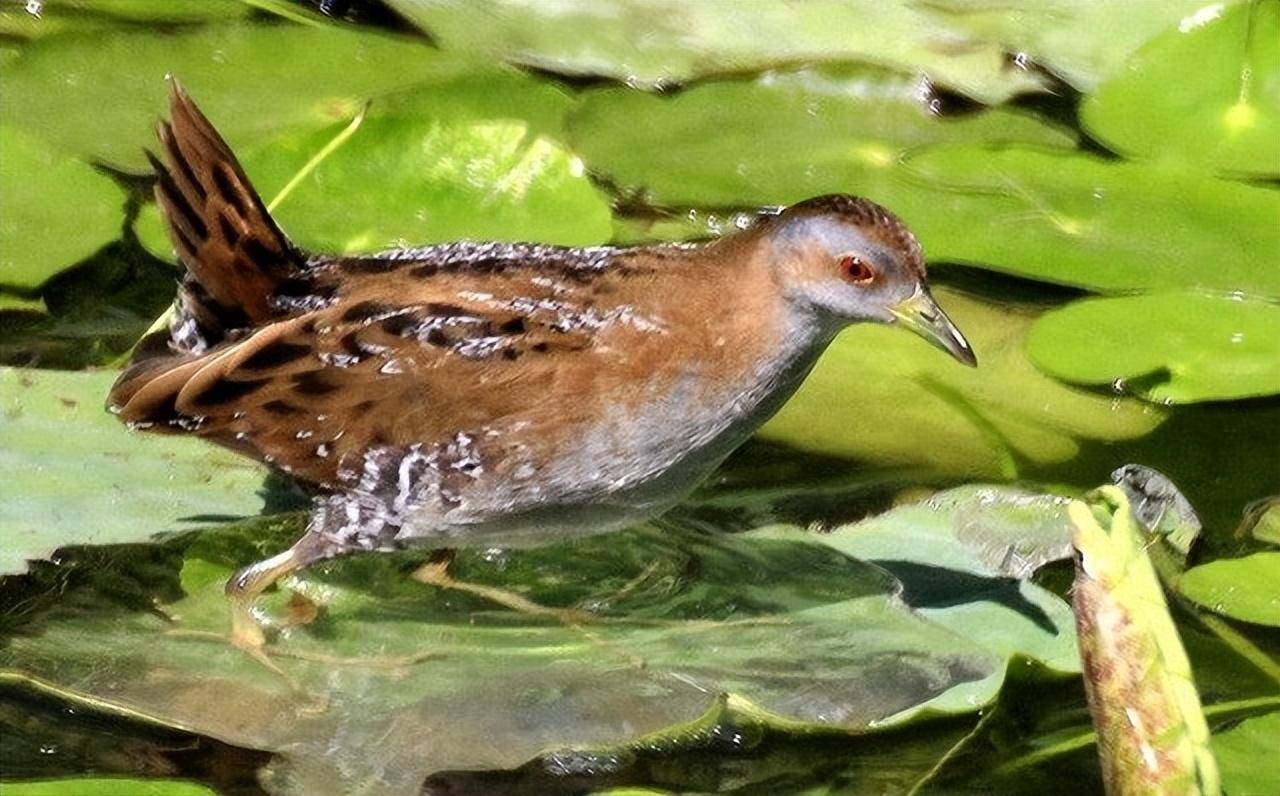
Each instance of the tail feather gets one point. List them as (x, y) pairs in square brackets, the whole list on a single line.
[(232, 248), (235, 257)]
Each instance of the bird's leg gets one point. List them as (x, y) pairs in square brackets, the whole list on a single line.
[(435, 572)]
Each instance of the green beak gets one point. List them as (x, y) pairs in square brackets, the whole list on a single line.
[(922, 315)]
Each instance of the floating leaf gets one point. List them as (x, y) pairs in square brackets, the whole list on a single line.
[(57, 210), (655, 43), (75, 475), (882, 396), (1247, 754), (780, 138), (1103, 225), (1167, 347), (443, 680), (974, 540), (1225, 112), (466, 158), (100, 95), (1245, 588), (1152, 735)]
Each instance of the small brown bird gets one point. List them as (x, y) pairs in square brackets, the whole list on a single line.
[(492, 393)]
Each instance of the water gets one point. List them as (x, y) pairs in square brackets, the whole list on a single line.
[(1026, 208)]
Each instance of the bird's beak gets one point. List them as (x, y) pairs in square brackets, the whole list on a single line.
[(922, 315)]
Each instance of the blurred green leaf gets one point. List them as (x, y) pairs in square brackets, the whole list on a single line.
[(779, 138), (100, 95), (668, 41), (57, 210), (75, 475), (1245, 588), (1167, 347), (1224, 114), (1151, 731), (1247, 755), (1262, 521), (883, 396)]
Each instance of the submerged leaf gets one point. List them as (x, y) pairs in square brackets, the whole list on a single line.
[(1152, 734), (442, 680), (1165, 347)]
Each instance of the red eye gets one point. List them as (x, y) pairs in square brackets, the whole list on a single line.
[(855, 269)]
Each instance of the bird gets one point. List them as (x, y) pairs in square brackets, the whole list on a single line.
[(491, 393)]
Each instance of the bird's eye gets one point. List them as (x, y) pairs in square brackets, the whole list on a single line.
[(855, 269)]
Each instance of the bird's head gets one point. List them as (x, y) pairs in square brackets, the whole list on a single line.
[(851, 260)]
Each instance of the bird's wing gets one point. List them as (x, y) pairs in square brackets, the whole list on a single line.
[(397, 362)]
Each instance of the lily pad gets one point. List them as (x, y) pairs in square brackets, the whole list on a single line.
[(443, 680), (1076, 220), (651, 44), (470, 157), (1224, 114), (974, 540), (1166, 347), (1246, 752), (74, 475), (777, 139), (99, 95), (1245, 588), (57, 210), (883, 396)]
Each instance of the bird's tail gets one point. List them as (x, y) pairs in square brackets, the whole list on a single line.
[(234, 253)]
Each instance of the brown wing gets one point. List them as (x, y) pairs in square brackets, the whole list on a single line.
[(397, 362)]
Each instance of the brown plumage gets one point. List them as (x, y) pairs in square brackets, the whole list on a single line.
[(491, 391)]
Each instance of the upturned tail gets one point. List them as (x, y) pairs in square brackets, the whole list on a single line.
[(234, 254)]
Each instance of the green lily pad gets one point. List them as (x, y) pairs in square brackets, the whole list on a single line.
[(976, 540), (779, 138), (1225, 112), (99, 95), (443, 680), (804, 638), (1245, 588), (1078, 220), (1167, 347), (471, 157), (1084, 42), (1246, 752), (657, 43), (1013, 204), (881, 395), (74, 475), (57, 210)]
